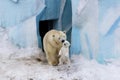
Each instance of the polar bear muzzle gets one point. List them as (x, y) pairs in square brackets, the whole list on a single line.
[(63, 41)]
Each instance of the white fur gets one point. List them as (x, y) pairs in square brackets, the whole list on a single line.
[(64, 54)]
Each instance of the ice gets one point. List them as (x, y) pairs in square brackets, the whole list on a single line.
[(15, 1), (84, 20), (12, 12), (19, 18), (97, 24), (109, 19), (24, 34)]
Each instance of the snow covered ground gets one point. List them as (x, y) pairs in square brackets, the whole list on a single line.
[(80, 69), (21, 64)]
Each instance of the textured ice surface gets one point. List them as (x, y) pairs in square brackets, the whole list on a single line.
[(98, 23), (15, 11)]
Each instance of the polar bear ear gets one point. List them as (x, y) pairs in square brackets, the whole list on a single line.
[(53, 35), (64, 32)]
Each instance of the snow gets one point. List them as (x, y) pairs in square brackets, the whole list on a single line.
[(80, 69), (22, 64)]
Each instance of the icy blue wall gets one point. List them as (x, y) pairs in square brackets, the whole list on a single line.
[(109, 28), (17, 17), (84, 34), (96, 29), (51, 11), (13, 12), (67, 19)]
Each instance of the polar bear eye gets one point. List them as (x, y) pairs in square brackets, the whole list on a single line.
[(53, 35), (59, 38), (64, 37)]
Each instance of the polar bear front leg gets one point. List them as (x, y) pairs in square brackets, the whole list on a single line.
[(52, 60), (52, 56)]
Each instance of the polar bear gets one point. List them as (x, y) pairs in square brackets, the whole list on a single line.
[(64, 53), (52, 43)]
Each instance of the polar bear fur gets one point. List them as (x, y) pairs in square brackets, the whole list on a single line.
[(64, 54), (52, 43)]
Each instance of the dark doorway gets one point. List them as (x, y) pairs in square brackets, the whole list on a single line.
[(44, 27)]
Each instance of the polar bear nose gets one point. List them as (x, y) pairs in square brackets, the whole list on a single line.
[(63, 41)]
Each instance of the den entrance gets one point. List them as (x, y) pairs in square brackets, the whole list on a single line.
[(44, 27)]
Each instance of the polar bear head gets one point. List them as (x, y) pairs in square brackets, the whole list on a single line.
[(66, 44), (60, 37)]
